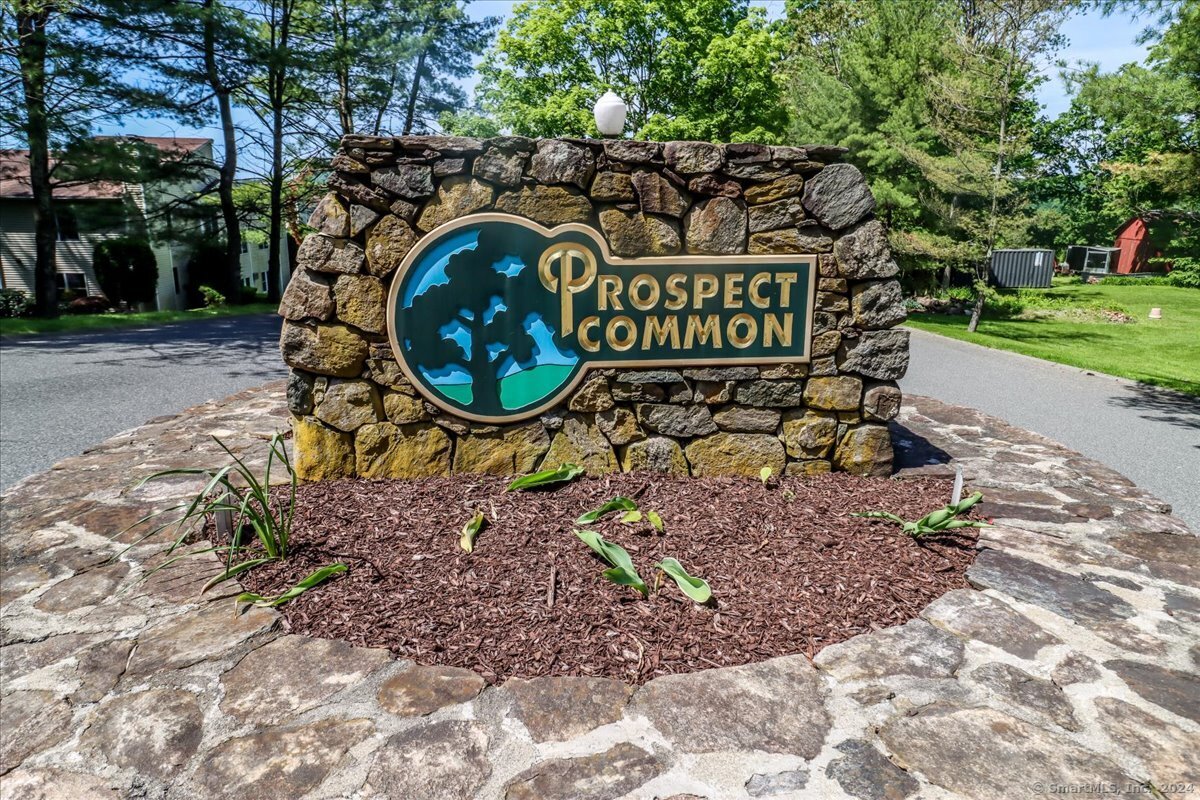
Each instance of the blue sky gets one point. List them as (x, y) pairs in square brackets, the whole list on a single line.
[(1108, 41)]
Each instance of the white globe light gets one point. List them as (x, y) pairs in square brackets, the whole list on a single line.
[(610, 114)]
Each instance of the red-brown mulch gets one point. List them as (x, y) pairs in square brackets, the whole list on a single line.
[(791, 571)]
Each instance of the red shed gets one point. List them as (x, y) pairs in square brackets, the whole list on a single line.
[(1133, 240)]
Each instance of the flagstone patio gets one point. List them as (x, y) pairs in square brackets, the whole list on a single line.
[(1075, 660)]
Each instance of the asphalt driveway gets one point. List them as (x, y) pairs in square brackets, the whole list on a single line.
[(62, 393), (1150, 435)]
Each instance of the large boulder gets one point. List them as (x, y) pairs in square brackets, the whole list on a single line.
[(716, 226), (508, 451), (557, 161), (877, 304), (309, 295), (865, 450), (864, 254), (838, 196), (323, 348), (322, 454), (384, 450), (549, 205), (735, 454), (457, 196), (882, 355), (631, 233), (361, 300), (387, 244)]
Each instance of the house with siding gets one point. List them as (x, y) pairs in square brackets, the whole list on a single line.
[(164, 212)]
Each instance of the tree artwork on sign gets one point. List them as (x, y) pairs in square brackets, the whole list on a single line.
[(475, 312)]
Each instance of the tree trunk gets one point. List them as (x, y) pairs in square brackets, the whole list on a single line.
[(981, 274), (414, 93), (278, 83), (233, 237), (31, 54)]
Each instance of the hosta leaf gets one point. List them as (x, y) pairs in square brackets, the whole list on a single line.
[(474, 525), (630, 517), (655, 520), (613, 554), (764, 475), (616, 504), (695, 588), (563, 472), (627, 577), (314, 579)]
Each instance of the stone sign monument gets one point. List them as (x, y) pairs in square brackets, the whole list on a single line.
[(496, 305)]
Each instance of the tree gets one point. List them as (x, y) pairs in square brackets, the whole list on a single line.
[(704, 69), (1130, 145), (983, 115), (64, 68), (486, 307), (447, 43)]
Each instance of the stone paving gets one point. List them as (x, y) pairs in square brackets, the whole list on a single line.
[(1072, 666)]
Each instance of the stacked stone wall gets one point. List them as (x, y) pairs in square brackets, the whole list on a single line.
[(355, 413)]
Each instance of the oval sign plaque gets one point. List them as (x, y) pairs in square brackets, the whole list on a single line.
[(495, 318)]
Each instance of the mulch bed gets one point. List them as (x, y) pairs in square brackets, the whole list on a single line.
[(791, 571)]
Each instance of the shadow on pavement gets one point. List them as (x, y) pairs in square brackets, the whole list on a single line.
[(1161, 405)]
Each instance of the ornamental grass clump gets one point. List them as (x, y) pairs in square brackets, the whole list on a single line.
[(234, 492)]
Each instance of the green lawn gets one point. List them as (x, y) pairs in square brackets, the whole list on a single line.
[(1063, 324), (74, 323)]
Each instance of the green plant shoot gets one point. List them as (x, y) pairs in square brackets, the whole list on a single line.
[(655, 520), (622, 571), (934, 522), (630, 517), (764, 475), (695, 588), (318, 577), (616, 504), (563, 472), (474, 525)]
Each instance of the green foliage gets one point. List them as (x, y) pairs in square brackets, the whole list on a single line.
[(315, 578), (560, 474), (935, 522), (212, 298), (616, 504), (234, 493), (474, 525), (622, 571), (764, 475), (126, 270), (695, 588), (698, 70), (468, 123), (655, 521), (13, 303)]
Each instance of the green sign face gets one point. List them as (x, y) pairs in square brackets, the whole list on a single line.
[(495, 318)]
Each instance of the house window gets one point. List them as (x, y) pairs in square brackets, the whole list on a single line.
[(175, 275), (68, 225), (245, 247), (70, 282), (262, 245)]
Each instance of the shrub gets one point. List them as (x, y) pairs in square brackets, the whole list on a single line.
[(248, 294), (212, 298), (13, 303), (89, 305), (126, 270)]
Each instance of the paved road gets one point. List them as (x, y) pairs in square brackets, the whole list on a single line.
[(1150, 435), (60, 394)]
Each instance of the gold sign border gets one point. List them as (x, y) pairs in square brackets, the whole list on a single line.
[(616, 261)]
